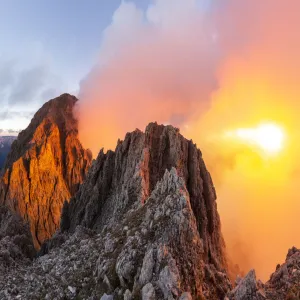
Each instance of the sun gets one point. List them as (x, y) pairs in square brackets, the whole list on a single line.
[(268, 136)]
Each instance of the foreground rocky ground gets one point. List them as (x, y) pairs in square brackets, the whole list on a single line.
[(284, 283), (155, 253)]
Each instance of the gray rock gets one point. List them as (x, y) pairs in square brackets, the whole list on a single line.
[(186, 296), (147, 267), (72, 289), (169, 282), (114, 246), (148, 292), (127, 295), (107, 297), (247, 287)]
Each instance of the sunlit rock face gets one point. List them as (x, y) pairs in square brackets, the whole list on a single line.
[(45, 167)]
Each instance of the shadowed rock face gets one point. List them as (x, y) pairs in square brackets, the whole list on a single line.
[(45, 167), (15, 240), (122, 181)]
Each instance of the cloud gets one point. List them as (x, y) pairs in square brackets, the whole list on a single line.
[(232, 64), (22, 86), (25, 84), (28, 85), (4, 132), (9, 114), (153, 65)]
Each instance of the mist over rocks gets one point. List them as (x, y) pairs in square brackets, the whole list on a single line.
[(45, 167)]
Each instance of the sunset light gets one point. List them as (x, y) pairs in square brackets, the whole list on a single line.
[(268, 136)]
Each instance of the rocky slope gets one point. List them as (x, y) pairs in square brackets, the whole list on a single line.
[(154, 252), (45, 167), (5, 144), (122, 181), (284, 283), (16, 245), (143, 225)]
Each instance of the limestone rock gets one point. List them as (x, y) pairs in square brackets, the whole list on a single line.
[(123, 179), (16, 244), (45, 167), (170, 246), (143, 225), (284, 282), (148, 292), (246, 288)]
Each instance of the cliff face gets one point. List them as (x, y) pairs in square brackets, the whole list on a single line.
[(45, 167), (123, 187), (124, 179)]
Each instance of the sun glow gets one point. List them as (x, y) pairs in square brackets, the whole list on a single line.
[(268, 136)]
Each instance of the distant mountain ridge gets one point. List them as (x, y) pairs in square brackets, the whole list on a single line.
[(5, 144)]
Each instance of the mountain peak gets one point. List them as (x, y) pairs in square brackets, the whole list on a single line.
[(148, 175), (45, 166)]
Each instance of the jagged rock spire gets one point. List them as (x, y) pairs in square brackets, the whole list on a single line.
[(45, 167)]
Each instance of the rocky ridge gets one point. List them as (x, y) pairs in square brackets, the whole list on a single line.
[(45, 167), (122, 180), (143, 224), (284, 283), (154, 252)]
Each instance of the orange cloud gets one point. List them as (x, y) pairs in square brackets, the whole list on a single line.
[(207, 70)]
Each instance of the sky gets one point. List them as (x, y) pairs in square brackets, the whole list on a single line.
[(46, 49)]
